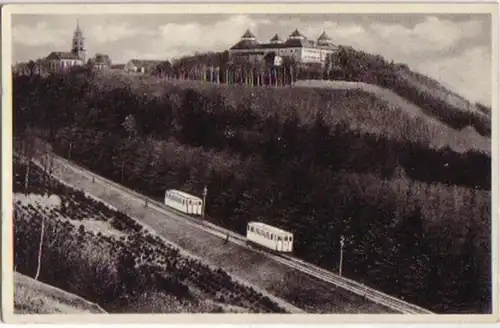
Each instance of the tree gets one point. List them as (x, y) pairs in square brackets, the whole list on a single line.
[(28, 152), (163, 69), (469, 280), (48, 180), (130, 125), (31, 68)]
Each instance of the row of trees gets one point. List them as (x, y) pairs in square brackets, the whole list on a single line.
[(218, 68), (345, 64), (427, 241)]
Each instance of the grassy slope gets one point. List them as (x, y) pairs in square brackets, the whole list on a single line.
[(438, 91), (43, 204), (35, 297), (467, 138), (275, 278), (352, 111)]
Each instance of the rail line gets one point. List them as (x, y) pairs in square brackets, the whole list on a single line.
[(355, 287)]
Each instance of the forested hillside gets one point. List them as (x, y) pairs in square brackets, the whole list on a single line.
[(320, 163), (348, 64)]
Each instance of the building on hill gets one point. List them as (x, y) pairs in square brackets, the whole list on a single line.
[(142, 66), (117, 67), (58, 61), (100, 61), (78, 43), (21, 68), (296, 46)]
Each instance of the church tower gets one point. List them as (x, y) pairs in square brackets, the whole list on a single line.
[(78, 44)]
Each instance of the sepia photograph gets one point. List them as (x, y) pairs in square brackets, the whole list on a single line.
[(285, 159)]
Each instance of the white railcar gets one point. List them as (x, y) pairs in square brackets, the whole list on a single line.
[(270, 237), (183, 202)]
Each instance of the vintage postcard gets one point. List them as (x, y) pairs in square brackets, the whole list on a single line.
[(244, 163)]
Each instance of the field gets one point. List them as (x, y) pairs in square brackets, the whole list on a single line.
[(114, 232)]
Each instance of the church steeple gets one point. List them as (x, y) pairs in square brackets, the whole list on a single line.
[(78, 44)]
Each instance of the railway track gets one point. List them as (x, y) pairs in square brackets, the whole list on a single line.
[(293, 262)]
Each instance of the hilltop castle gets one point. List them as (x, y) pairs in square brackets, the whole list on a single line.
[(297, 46)]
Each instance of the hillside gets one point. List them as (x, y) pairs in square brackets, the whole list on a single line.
[(319, 162), (191, 263), (350, 64), (103, 255), (351, 104), (458, 140), (438, 91), (432, 97), (35, 297)]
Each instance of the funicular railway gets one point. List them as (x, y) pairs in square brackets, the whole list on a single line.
[(279, 256)]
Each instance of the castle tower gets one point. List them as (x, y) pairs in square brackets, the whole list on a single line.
[(276, 39), (296, 35), (248, 36), (78, 44), (324, 40)]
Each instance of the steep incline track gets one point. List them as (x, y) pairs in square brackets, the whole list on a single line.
[(310, 269)]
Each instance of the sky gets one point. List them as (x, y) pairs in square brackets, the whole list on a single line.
[(454, 49)]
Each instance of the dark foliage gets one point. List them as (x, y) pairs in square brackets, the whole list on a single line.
[(109, 270), (293, 164)]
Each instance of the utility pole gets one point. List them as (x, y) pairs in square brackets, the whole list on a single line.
[(341, 254), (69, 150), (205, 191), (40, 248)]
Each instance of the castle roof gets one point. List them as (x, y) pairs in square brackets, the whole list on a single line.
[(248, 35), (324, 37), (290, 43), (295, 40), (304, 43), (245, 44), (296, 34), (276, 38)]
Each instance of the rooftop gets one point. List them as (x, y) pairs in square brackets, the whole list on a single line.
[(118, 66), (146, 62), (295, 40), (183, 194), (324, 37), (276, 38), (296, 34), (60, 55), (248, 35), (269, 228)]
